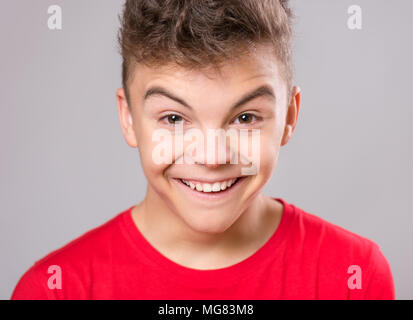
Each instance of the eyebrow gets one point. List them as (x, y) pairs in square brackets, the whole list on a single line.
[(261, 91)]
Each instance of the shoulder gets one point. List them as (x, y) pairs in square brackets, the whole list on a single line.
[(73, 261), (339, 252), (88, 246), (309, 229)]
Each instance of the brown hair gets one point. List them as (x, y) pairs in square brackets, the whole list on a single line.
[(200, 33)]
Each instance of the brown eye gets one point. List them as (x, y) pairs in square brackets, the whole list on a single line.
[(245, 118), (173, 118)]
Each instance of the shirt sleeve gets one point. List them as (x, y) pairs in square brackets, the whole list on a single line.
[(31, 286), (381, 284)]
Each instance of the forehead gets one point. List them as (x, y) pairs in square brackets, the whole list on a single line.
[(259, 66)]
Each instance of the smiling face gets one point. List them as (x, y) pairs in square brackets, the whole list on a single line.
[(248, 93)]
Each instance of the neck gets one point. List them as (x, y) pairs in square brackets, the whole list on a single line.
[(168, 232)]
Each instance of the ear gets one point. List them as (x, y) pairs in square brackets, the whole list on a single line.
[(125, 117), (292, 115)]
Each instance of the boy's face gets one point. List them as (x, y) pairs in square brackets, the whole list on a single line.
[(205, 100)]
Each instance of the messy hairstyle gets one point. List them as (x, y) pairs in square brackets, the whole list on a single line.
[(201, 33)]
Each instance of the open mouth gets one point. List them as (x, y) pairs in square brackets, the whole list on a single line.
[(214, 187)]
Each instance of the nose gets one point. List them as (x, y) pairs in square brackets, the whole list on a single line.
[(217, 150), (212, 165)]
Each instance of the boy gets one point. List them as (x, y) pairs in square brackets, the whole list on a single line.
[(204, 229)]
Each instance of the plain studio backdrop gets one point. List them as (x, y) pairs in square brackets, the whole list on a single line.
[(65, 167)]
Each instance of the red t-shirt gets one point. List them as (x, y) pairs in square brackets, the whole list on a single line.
[(306, 258)]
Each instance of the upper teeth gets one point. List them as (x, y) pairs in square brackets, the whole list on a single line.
[(210, 187)]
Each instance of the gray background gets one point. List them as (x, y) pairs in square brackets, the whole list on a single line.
[(65, 168)]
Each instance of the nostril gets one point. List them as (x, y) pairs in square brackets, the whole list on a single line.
[(212, 165)]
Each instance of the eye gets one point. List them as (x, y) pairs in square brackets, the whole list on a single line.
[(172, 119), (245, 118)]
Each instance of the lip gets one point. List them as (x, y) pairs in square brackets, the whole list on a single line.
[(210, 181), (210, 195)]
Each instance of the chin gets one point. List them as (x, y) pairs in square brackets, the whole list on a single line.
[(207, 222)]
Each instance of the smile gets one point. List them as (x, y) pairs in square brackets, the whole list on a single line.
[(210, 192), (210, 187)]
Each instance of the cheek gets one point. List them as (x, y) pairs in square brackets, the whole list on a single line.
[(270, 148), (147, 146)]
